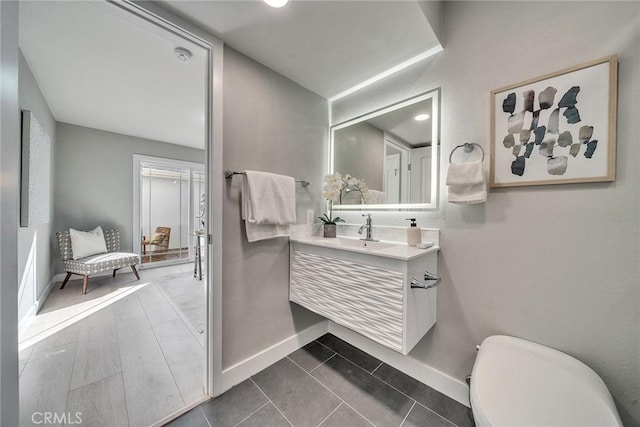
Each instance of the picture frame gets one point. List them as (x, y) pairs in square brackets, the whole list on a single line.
[(35, 192), (558, 128)]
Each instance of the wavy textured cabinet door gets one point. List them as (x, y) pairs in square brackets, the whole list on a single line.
[(361, 297)]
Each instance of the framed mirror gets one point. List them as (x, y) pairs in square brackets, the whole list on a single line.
[(389, 158)]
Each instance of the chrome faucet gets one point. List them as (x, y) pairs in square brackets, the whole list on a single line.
[(367, 226)]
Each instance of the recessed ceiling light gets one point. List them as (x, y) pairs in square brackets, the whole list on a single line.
[(182, 54), (421, 117), (276, 3)]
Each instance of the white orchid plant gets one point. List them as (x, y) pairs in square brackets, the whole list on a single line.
[(334, 185)]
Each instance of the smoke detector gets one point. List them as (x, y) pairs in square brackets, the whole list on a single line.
[(182, 54)]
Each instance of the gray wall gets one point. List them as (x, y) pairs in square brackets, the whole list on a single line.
[(36, 238), (93, 181), (359, 151), (556, 265), (9, 169), (270, 124)]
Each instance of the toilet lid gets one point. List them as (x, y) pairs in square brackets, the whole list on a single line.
[(520, 383)]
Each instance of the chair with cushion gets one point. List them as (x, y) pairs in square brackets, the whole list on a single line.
[(96, 251), (160, 238)]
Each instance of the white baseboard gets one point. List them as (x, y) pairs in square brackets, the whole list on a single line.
[(25, 322), (445, 384), (241, 371)]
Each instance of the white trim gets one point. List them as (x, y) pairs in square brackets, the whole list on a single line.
[(177, 414), (242, 370), (424, 55), (155, 13), (25, 322), (139, 161), (438, 380), (405, 173), (45, 294)]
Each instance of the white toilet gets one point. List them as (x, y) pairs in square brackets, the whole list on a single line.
[(519, 383)]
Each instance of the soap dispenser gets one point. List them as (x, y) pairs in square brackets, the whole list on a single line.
[(414, 234)]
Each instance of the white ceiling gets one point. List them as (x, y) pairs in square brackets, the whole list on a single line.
[(325, 46), (402, 123), (99, 70)]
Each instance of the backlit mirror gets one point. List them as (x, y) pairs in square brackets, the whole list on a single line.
[(392, 152)]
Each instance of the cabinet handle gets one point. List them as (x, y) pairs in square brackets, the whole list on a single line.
[(416, 284)]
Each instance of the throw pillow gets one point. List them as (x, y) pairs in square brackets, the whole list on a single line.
[(86, 243)]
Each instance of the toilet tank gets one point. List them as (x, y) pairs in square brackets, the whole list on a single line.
[(519, 383)]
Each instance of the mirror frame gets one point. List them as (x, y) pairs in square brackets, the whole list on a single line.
[(434, 95)]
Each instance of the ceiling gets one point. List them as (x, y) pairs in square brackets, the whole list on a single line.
[(402, 123), (100, 70), (325, 46)]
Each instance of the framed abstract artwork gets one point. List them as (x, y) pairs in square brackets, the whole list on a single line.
[(36, 172), (556, 129)]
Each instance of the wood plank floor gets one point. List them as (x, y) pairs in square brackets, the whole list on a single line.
[(128, 353)]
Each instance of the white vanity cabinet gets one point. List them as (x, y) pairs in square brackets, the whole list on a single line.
[(366, 288)]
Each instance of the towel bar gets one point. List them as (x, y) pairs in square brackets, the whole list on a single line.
[(416, 284), (229, 173)]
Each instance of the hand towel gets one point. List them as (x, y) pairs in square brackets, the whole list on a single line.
[(377, 197), (268, 205), (466, 183)]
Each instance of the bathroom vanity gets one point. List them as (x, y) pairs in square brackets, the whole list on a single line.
[(367, 286)]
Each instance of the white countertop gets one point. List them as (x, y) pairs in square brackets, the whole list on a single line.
[(381, 248)]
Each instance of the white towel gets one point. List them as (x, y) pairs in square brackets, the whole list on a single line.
[(377, 197), (466, 183), (268, 205)]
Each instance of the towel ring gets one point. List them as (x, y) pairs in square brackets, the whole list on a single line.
[(468, 147)]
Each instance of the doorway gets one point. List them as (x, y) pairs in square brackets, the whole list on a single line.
[(113, 323), (169, 211)]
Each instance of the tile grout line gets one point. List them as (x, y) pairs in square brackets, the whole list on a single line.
[(431, 410), (73, 365), (190, 326), (407, 416), (406, 395), (251, 414), (331, 413), (271, 401), (379, 379), (332, 392), (349, 360), (199, 407), (164, 356), (330, 357), (124, 390)]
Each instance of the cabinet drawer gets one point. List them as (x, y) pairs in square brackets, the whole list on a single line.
[(364, 298)]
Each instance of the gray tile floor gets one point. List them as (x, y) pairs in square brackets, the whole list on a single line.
[(329, 383), (128, 353)]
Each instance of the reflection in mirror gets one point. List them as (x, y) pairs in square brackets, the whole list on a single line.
[(390, 152)]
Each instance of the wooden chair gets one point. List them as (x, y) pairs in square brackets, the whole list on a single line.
[(159, 239)]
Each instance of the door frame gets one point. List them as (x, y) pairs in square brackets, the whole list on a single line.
[(405, 154), (138, 160), (153, 15)]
